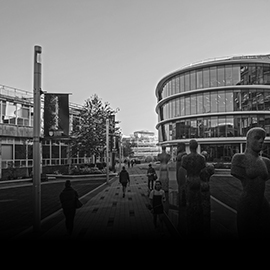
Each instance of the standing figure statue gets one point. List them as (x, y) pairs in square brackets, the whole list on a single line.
[(181, 181), (205, 175), (194, 163), (181, 173), (164, 158), (253, 170)]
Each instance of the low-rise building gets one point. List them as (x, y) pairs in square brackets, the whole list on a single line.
[(16, 136)]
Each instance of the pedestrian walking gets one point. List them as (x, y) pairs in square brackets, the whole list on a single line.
[(157, 199), (124, 180), (68, 198), (152, 176)]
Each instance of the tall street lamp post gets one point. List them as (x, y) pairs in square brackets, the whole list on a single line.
[(36, 139), (107, 150)]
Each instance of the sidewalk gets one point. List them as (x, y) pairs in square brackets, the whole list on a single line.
[(108, 215), (223, 221)]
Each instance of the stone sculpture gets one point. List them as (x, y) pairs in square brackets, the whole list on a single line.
[(181, 174), (253, 211), (181, 181), (164, 158), (205, 175), (194, 163)]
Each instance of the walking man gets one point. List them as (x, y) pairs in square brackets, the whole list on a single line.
[(124, 180), (68, 198)]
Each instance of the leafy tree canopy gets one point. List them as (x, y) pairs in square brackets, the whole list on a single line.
[(89, 132)]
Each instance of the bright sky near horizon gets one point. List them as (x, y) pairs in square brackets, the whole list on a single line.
[(120, 49)]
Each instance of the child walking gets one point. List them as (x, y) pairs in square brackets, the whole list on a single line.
[(157, 198)]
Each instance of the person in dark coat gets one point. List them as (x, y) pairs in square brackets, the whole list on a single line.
[(68, 198), (151, 174), (124, 180)]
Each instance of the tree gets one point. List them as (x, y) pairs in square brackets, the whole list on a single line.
[(127, 147), (89, 132)]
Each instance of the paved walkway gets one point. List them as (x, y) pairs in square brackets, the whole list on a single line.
[(110, 216), (223, 221), (107, 215)]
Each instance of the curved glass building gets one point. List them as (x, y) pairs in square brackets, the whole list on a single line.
[(215, 102)]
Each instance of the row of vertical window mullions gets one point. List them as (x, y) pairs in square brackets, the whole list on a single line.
[(225, 75), (204, 78), (222, 126), (218, 101)]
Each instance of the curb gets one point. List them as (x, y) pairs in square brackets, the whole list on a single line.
[(56, 215)]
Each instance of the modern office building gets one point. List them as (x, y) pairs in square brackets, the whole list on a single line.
[(215, 102)]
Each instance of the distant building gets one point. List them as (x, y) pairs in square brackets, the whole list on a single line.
[(215, 102), (145, 145)]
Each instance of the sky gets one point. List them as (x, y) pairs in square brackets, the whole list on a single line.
[(121, 49)]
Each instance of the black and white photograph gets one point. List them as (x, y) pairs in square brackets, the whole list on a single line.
[(134, 120)]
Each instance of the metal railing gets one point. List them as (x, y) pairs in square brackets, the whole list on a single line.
[(25, 163)]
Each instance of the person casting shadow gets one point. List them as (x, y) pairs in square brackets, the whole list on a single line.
[(124, 180), (68, 198)]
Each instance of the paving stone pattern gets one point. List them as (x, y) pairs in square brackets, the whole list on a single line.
[(110, 216)]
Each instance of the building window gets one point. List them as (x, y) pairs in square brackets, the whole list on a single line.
[(193, 104), (187, 82), (182, 106), (206, 83), (177, 85), (213, 77), (266, 74), (199, 104), (260, 100), (236, 80), (214, 102), (229, 101), (206, 102), (7, 152), (199, 81), (228, 75), (221, 101), (20, 151), (182, 83), (187, 105), (177, 107), (192, 80), (221, 76)]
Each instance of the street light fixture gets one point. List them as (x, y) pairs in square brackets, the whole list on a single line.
[(36, 139)]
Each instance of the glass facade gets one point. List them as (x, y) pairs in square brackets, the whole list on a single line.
[(215, 126), (231, 100), (217, 76), (215, 101)]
